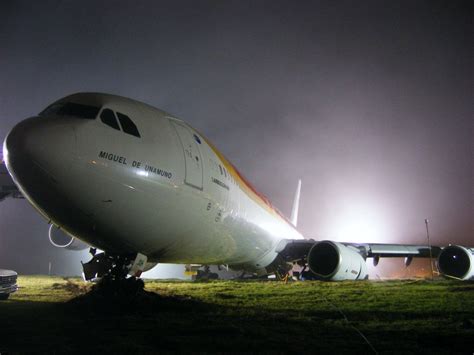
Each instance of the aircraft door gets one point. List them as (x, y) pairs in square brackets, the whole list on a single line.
[(192, 155)]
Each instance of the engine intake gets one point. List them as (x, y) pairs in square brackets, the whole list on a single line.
[(335, 261), (61, 239), (456, 261)]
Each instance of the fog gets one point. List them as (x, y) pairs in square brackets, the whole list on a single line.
[(369, 103)]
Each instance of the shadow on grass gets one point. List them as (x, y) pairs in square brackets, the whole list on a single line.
[(127, 318), (129, 297), (118, 318)]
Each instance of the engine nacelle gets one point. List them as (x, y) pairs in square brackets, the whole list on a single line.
[(61, 239), (456, 261), (334, 261)]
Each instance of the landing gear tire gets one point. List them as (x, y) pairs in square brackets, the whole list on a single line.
[(124, 287)]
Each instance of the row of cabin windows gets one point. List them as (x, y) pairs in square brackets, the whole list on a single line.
[(226, 174), (107, 116)]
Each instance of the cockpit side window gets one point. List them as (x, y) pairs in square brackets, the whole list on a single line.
[(51, 110), (127, 125), (108, 117), (72, 109)]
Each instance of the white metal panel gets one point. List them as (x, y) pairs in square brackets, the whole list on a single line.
[(192, 155)]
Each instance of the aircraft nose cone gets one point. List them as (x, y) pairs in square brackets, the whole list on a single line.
[(37, 150)]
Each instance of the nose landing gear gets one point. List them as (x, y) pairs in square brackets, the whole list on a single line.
[(113, 266)]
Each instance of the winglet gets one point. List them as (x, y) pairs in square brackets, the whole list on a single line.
[(296, 204)]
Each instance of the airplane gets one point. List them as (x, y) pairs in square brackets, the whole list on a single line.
[(143, 187)]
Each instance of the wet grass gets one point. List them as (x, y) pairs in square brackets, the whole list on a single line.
[(50, 314)]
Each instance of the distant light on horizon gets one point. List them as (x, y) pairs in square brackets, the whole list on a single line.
[(359, 223), (166, 271)]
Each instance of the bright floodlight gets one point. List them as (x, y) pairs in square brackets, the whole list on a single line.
[(359, 224)]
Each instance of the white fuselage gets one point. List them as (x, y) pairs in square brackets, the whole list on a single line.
[(168, 194)]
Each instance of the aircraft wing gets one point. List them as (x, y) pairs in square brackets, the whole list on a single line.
[(295, 250), (7, 186), (397, 250), (330, 260)]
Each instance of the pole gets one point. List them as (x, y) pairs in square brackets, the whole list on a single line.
[(429, 245)]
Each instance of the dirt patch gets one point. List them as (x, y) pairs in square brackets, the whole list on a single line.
[(72, 287)]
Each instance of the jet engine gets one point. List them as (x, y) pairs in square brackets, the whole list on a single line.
[(456, 261), (61, 239), (335, 261)]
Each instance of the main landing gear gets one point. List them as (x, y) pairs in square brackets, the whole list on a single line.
[(200, 272), (206, 274)]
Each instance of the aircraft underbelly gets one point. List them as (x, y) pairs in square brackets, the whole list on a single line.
[(175, 226)]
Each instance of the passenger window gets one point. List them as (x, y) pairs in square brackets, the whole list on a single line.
[(127, 125), (108, 117)]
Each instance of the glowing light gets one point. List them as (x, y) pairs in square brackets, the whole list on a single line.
[(359, 224), (166, 271)]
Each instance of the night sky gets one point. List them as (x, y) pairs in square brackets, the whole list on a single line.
[(368, 102)]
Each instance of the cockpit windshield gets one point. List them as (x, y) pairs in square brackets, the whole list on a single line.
[(72, 109)]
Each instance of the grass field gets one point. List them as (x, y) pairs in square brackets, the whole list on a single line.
[(52, 314)]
